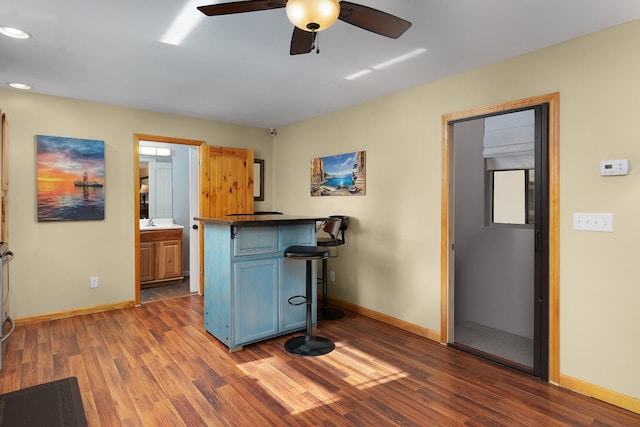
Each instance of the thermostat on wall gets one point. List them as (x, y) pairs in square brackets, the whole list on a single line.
[(614, 167)]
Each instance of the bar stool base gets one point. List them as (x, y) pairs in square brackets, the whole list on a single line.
[(329, 313), (309, 346)]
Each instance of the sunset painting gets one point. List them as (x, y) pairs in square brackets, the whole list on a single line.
[(70, 179)]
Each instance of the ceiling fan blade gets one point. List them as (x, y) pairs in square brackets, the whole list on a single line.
[(373, 20), (301, 41), (241, 7)]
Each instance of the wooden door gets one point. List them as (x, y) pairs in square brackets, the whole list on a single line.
[(227, 181), (226, 186)]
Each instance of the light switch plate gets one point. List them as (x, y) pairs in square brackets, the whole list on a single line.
[(593, 221)]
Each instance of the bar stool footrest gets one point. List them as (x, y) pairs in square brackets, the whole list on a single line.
[(304, 300)]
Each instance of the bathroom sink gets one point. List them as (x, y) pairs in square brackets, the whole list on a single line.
[(160, 227), (159, 224)]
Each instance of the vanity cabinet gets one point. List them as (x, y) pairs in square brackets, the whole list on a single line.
[(160, 256), (248, 281), (147, 262)]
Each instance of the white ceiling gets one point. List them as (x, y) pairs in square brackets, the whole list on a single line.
[(237, 68)]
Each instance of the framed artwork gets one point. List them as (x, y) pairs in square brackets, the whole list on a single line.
[(71, 178), (339, 175), (258, 180)]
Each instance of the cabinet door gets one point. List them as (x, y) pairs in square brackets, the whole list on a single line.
[(255, 293), (147, 261), (169, 259), (293, 279), (255, 241)]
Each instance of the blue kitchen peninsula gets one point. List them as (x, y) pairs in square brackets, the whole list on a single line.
[(247, 280)]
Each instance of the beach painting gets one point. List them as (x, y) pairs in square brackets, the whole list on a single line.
[(70, 179), (339, 175)]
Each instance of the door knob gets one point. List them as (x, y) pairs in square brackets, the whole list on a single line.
[(194, 226)]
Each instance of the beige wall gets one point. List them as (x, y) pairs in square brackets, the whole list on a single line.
[(54, 260), (391, 263)]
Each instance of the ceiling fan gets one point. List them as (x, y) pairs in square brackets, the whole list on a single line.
[(311, 16)]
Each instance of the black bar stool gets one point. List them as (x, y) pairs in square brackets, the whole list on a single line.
[(333, 241), (307, 345)]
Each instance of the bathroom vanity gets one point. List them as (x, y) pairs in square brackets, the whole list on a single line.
[(160, 253)]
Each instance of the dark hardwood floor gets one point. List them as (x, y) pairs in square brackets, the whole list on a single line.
[(154, 365)]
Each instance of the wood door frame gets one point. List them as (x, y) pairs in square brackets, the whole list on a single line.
[(4, 178), (136, 197), (446, 220)]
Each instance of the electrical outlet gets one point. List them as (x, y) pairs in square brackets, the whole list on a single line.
[(93, 281), (332, 276)]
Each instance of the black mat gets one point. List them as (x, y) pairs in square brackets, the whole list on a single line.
[(53, 404)]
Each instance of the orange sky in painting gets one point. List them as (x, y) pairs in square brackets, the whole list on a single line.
[(49, 169), (62, 166)]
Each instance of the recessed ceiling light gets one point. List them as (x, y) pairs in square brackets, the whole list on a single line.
[(20, 86), (14, 33)]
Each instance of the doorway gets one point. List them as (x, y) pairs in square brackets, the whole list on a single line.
[(179, 174), (490, 294)]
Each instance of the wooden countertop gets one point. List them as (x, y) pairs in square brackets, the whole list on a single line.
[(260, 219)]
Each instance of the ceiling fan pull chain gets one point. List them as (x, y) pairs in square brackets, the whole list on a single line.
[(317, 43)]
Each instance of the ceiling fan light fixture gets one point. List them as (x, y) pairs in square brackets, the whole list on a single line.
[(313, 15), (15, 33)]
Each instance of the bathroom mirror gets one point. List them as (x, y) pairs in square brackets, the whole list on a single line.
[(144, 196), (156, 187)]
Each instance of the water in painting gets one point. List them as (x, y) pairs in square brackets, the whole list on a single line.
[(70, 179)]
